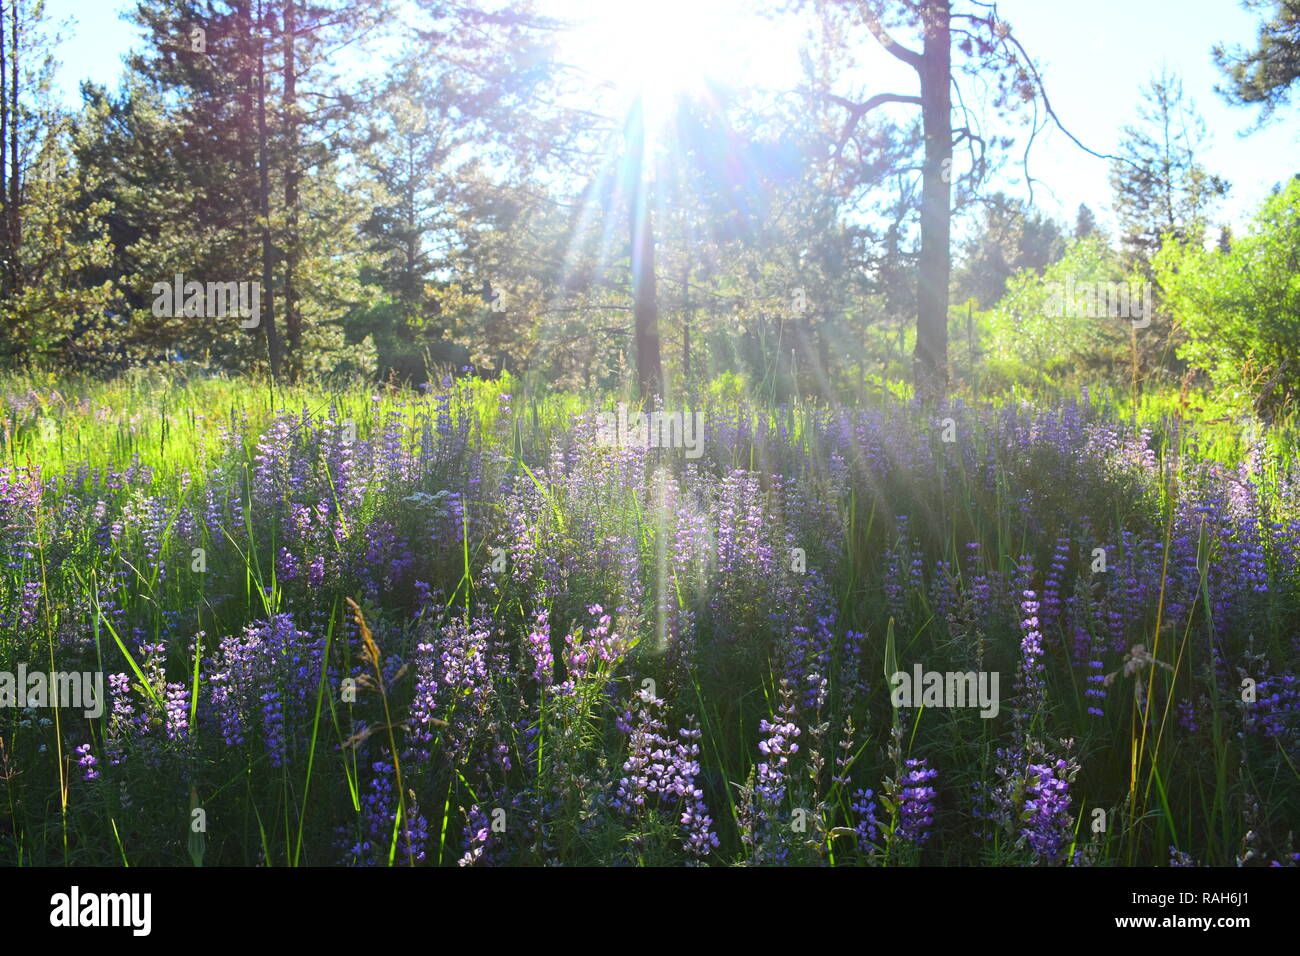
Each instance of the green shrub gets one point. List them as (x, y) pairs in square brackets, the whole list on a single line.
[(1240, 309)]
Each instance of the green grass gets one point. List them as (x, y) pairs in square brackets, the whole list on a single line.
[(177, 431)]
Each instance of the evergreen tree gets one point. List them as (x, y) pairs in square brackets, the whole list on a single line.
[(50, 236), (1159, 186), (1009, 236), (1085, 222), (234, 78), (1264, 76)]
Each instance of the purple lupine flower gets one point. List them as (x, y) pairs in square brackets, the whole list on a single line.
[(700, 836), (477, 836), (762, 806), (122, 720), (316, 572), (584, 656), (1051, 609), (867, 826), (176, 703), (465, 682), (539, 648), (87, 762), (1030, 673), (1275, 712), (1095, 678), (915, 800), (263, 677), (661, 773), (29, 605), (809, 660), (421, 726), (777, 747), (943, 590), (273, 730), (1046, 821), (852, 684), (1031, 799), (1178, 858), (287, 567), (980, 586), (646, 768), (379, 809), (903, 573)]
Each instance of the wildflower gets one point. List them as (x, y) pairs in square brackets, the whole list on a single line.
[(914, 798), (87, 762)]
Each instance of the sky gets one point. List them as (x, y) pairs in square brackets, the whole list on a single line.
[(1094, 57)]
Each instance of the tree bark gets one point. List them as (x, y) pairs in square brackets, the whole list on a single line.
[(645, 310), (6, 250), (15, 186), (264, 205), (292, 314), (688, 313), (930, 357), (649, 368)]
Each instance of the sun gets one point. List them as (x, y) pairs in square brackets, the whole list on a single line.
[(657, 50)]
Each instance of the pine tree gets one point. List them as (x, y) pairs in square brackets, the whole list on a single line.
[(51, 237), (1085, 223), (234, 79), (1265, 75), (1159, 186)]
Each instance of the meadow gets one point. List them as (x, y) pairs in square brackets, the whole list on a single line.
[(450, 626)]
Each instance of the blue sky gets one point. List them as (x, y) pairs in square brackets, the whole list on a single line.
[(1094, 64), (1094, 56)]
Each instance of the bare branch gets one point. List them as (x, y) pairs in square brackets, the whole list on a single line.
[(859, 110), (1047, 105), (892, 46)]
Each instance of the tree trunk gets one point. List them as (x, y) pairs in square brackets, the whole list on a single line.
[(264, 205), (292, 314), (15, 187), (649, 369), (645, 309), (824, 361), (411, 280), (930, 358), (6, 251), (688, 313)]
